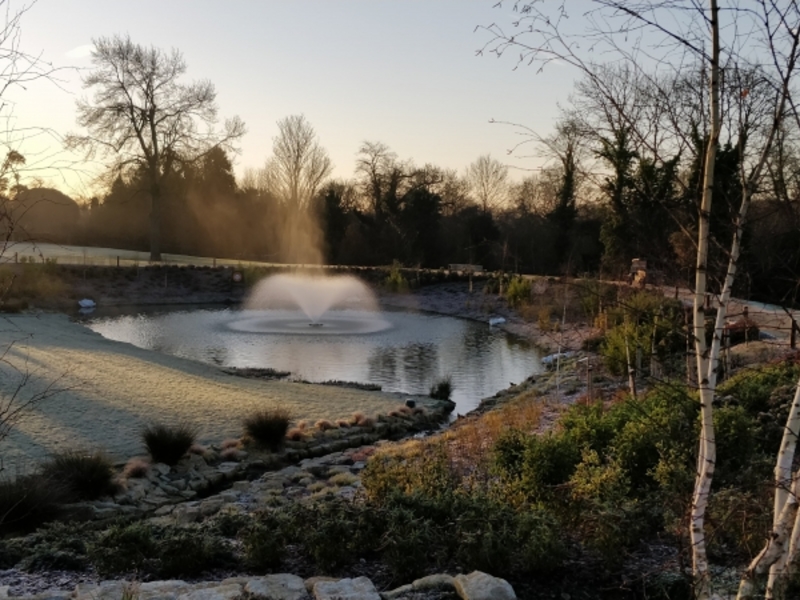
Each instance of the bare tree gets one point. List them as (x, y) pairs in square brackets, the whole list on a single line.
[(18, 68), (142, 116), (454, 192), (299, 165), (376, 167), (488, 181), (669, 36)]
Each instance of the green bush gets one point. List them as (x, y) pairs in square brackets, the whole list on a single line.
[(189, 551), (646, 323), (754, 389), (84, 475), (124, 549), (264, 541), (442, 389), (470, 530), (536, 466), (55, 546), (167, 444), (425, 470), (594, 296), (737, 522), (518, 292), (495, 283), (167, 552), (28, 501), (230, 523), (268, 427), (611, 475), (336, 532), (395, 281), (411, 533)]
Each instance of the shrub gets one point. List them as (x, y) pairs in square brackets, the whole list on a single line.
[(536, 465), (395, 282), (295, 434), (56, 546), (264, 541), (324, 425), (753, 389), (416, 467), (32, 283), (123, 549), (28, 501), (737, 522), (268, 427), (189, 551), (167, 444), (593, 296), (442, 389), (85, 476), (544, 319), (647, 323), (167, 552), (230, 523), (518, 292)]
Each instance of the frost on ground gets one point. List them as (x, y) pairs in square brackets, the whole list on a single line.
[(108, 390)]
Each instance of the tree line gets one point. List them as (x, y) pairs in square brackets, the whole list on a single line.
[(612, 188)]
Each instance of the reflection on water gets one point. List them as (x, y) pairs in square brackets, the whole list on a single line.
[(414, 352)]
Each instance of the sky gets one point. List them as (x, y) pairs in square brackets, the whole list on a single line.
[(401, 72)]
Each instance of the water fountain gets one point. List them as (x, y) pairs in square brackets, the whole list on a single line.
[(350, 339), (337, 304)]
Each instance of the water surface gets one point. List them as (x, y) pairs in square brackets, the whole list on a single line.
[(408, 352)]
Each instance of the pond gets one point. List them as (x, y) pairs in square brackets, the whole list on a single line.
[(400, 351)]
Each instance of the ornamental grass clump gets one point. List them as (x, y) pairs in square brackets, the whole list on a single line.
[(168, 443), (136, 468), (28, 501), (82, 475), (268, 427), (442, 389)]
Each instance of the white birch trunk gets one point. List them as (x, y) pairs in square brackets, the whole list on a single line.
[(777, 547), (785, 483), (780, 542), (706, 457)]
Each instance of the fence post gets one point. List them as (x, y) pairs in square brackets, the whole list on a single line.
[(118, 261)]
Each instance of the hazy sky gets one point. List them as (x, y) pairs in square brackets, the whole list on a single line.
[(402, 72)]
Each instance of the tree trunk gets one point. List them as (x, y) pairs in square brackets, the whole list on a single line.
[(775, 549), (706, 458), (155, 222), (779, 550)]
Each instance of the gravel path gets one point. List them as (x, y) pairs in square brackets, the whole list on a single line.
[(99, 393)]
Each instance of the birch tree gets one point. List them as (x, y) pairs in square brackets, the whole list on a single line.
[(299, 165), (654, 37), (488, 181)]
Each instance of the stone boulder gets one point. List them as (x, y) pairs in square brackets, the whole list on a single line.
[(360, 588), (277, 587), (482, 586)]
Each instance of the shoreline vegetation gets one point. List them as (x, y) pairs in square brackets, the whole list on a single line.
[(573, 466)]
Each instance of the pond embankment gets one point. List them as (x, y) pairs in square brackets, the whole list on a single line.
[(91, 392)]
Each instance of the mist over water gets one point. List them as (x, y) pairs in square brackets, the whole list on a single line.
[(314, 295)]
